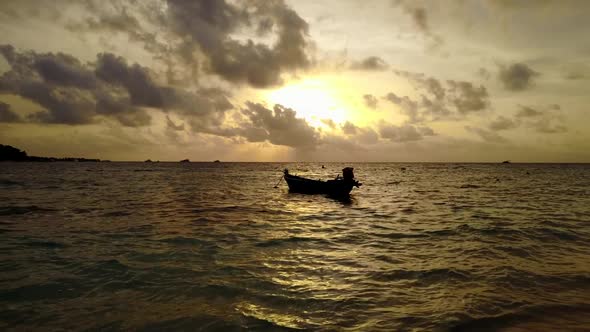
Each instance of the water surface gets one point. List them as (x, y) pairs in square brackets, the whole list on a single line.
[(213, 246)]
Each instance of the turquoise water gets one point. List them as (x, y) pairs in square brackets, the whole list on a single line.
[(214, 247)]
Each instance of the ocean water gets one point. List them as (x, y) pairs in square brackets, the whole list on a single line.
[(214, 247)]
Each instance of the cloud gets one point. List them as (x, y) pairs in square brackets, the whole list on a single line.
[(170, 124), (468, 97), (404, 133), (420, 19), (372, 63), (329, 122), (349, 128), (528, 112), (244, 42), (409, 107), (517, 76), (439, 98), (364, 135), (75, 93), (7, 115), (279, 126), (371, 101), (502, 123), (208, 26), (487, 135), (484, 73), (547, 120)]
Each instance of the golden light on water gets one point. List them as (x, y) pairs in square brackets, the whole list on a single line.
[(314, 100)]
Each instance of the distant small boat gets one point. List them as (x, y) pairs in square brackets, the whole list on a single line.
[(340, 187), (185, 161), (148, 161), (506, 162), (216, 161)]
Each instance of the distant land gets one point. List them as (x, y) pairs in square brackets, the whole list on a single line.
[(10, 153)]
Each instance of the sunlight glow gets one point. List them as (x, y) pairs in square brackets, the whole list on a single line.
[(314, 100)]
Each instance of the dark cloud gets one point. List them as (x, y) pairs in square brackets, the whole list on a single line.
[(71, 106), (210, 37), (433, 86), (517, 77), (371, 101), (207, 26), (363, 135), (143, 91), (467, 97), (76, 93), (404, 133), (438, 99), (433, 103), (7, 115), (502, 123), (65, 70), (420, 19), (408, 107), (107, 19), (372, 63), (278, 126)]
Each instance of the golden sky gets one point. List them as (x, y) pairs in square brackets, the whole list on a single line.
[(258, 80)]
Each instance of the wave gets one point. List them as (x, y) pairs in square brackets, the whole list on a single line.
[(46, 244), (291, 240), (180, 240), (16, 210), (119, 213), (9, 183), (549, 317), (430, 276), (470, 186)]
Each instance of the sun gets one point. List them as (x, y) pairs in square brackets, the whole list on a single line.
[(314, 100)]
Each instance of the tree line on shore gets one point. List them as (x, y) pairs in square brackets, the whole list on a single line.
[(10, 153)]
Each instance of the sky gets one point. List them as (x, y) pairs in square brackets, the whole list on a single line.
[(273, 80)]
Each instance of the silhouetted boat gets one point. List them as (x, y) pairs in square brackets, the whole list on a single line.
[(216, 161), (506, 162), (341, 186), (185, 161)]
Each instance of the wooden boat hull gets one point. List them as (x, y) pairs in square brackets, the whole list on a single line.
[(306, 186)]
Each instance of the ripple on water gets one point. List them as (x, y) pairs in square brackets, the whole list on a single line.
[(127, 246)]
